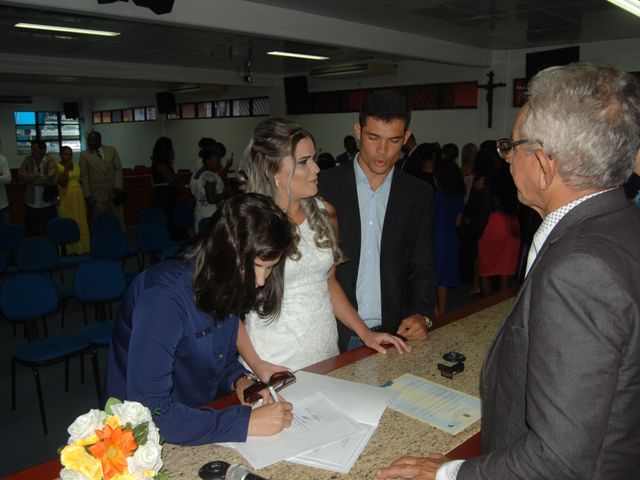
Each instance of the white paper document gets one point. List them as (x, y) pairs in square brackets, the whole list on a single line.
[(333, 421), (316, 422), (364, 403), (441, 407)]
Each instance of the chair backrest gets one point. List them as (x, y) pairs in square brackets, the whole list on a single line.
[(98, 281), (153, 215), (36, 254), (63, 230), (141, 170), (27, 296), (152, 238), (10, 236), (183, 216), (105, 221), (109, 245)]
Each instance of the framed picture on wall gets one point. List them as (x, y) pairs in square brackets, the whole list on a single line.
[(519, 92)]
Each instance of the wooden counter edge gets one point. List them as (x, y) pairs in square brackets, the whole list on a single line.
[(469, 448)]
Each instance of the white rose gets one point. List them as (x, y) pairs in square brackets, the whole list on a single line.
[(68, 474), (131, 412), (147, 457), (154, 433), (85, 425)]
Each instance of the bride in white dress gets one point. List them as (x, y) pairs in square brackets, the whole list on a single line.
[(281, 163)]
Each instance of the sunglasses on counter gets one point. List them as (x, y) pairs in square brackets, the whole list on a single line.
[(278, 381)]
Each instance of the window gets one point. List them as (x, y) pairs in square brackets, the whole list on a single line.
[(52, 127), (134, 114), (239, 107)]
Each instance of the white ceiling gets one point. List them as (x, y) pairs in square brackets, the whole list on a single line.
[(210, 41)]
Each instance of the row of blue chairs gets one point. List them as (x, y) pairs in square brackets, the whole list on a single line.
[(27, 297)]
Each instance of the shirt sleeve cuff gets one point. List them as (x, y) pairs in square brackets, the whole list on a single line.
[(449, 470)]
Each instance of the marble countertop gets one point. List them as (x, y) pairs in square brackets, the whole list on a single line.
[(397, 434)]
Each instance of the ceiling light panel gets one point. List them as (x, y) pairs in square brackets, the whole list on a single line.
[(54, 28)]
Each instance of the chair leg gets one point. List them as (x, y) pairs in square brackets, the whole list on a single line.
[(96, 372), (84, 314), (82, 368), (66, 374), (62, 308), (36, 375), (13, 383)]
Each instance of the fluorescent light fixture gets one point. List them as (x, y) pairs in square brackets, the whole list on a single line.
[(297, 55), (631, 6), (53, 28), (354, 69)]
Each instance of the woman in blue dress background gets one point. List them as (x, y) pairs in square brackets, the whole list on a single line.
[(449, 197)]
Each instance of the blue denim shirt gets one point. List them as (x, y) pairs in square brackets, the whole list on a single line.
[(169, 355), (373, 206)]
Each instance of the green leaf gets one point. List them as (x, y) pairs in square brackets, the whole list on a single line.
[(162, 475), (111, 402), (140, 433)]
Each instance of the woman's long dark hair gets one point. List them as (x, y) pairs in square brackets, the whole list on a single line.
[(162, 151), (245, 227), (449, 179)]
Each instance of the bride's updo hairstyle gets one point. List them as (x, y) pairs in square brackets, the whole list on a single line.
[(274, 141), (245, 227)]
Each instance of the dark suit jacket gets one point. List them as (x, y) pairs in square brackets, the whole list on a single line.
[(407, 265), (561, 382)]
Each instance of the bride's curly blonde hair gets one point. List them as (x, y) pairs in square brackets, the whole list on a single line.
[(274, 140)]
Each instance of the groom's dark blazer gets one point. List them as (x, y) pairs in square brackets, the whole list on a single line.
[(407, 260), (561, 382)]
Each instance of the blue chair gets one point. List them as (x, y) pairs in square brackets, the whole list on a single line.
[(153, 238), (39, 254), (25, 297), (105, 221), (63, 231), (11, 235), (98, 283), (183, 216), (110, 244), (153, 215)]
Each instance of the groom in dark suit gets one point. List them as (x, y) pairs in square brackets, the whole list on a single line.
[(561, 382), (386, 226)]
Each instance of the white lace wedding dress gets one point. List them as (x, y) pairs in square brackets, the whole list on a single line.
[(306, 331)]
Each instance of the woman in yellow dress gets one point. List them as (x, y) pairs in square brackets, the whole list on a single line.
[(72, 203)]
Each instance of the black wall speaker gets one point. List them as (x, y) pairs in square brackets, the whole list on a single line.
[(166, 102), (537, 61), (296, 94), (71, 109)]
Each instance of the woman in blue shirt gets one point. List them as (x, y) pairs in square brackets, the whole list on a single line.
[(174, 340)]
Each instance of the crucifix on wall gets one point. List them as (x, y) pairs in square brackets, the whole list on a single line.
[(490, 86)]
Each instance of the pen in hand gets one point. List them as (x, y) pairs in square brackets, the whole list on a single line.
[(273, 393)]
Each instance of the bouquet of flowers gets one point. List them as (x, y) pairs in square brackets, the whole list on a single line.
[(119, 443)]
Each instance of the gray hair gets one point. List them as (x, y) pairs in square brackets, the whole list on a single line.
[(274, 140), (587, 117)]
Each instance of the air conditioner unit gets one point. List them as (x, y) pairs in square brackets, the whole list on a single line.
[(354, 69)]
